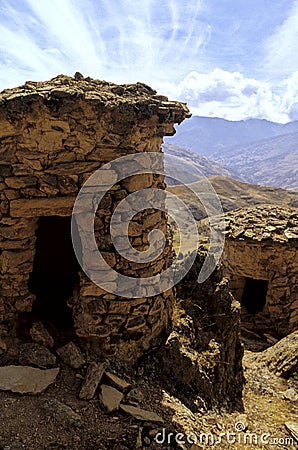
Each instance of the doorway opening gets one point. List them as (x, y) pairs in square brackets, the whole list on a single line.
[(55, 273), (254, 295), (255, 317)]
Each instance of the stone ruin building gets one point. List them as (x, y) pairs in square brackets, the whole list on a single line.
[(53, 136), (261, 261)]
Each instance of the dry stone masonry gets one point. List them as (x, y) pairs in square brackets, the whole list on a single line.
[(261, 260), (53, 136)]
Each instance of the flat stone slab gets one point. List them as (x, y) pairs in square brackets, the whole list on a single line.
[(141, 414), (110, 398), (94, 374), (25, 379), (38, 207), (116, 382)]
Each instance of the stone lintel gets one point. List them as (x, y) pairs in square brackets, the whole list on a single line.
[(38, 207)]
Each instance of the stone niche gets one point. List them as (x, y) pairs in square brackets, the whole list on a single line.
[(261, 261), (53, 136)]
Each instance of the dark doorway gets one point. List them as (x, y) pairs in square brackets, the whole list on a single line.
[(254, 295), (55, 272)]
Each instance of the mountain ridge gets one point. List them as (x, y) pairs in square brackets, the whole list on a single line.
[(204, 135), (256, 150)]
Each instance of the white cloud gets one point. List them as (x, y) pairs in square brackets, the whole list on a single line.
[(232, 96), (289, 103)]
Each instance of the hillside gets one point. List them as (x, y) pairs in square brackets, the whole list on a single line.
[(235, 194), (188, 167), (271, 162)]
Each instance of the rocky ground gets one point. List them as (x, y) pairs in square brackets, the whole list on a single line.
[(97, 405)]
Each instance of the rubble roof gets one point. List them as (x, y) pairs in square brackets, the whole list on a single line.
[(263, 223), (138, 98)]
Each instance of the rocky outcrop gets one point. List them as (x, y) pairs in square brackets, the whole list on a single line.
[(53, 136), (262, 244), (282, 358), (203, 355)]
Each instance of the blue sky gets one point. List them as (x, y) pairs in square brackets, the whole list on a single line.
[(228, 58)]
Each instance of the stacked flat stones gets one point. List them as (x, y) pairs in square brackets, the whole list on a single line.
[(53, 136)]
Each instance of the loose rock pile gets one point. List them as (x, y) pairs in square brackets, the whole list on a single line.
[(33, 376)]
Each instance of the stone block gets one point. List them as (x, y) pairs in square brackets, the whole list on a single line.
[(135, 323), (20, 182), (40, 335), (137, 182), (71, 355), (12, 259), (61, 206), (33, 354), (17, 228)]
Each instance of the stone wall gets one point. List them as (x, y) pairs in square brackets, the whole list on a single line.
[(53, 136), (262, 244)]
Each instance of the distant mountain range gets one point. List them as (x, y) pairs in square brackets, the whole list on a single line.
[(256, 151), (186, 167)]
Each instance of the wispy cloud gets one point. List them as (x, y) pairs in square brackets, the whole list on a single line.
[(281, 46), (120, 40)]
